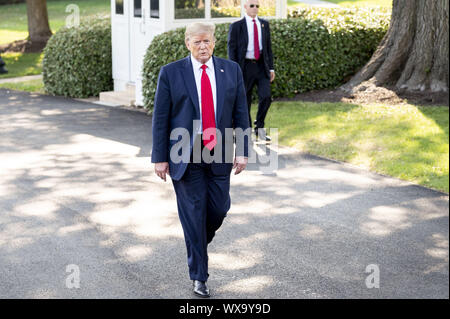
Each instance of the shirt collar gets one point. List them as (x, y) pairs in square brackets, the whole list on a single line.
[(249, 18), (197, 65)]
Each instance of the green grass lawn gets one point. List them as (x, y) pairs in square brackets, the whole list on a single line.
[(28, 86), (405, 141), (19, 64), (13, 18)]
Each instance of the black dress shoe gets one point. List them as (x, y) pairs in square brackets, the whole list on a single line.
[(263, 134), (200, 289)]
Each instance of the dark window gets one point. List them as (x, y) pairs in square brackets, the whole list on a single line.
[(138, 8), (154, 9), (119, 6)]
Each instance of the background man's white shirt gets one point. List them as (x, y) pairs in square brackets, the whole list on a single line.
[(251, 47)]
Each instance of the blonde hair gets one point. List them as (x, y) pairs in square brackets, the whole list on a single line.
[(199, 28)]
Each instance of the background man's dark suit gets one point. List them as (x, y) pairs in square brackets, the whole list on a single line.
[(237, 48), (202, 189)]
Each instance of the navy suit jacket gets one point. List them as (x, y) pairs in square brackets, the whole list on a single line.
[(238, 43), (177, 106)]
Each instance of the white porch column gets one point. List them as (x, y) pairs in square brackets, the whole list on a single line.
[(208, 9), (281, 9)]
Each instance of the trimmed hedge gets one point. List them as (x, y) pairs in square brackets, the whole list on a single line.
[(77, 61), (313, 49)]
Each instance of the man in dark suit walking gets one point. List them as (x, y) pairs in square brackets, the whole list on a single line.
[(198, 100), (250, 46)]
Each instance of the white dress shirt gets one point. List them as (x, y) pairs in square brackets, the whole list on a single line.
[(198, 71), (251, 46)]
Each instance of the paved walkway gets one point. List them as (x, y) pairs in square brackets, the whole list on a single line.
[(77, 188)]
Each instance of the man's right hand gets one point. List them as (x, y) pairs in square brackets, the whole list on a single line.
[(161, 169)]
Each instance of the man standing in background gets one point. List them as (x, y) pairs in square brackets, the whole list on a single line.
[(250, 46)]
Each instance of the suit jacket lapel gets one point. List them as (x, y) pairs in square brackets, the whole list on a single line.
[(220, 89), (189, 80), (244, 32), (263, 35)]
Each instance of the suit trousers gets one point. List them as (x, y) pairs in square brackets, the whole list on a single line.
[(255, 74), (203, 200)]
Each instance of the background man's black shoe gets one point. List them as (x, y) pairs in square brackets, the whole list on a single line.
[(200, 289), (263, 134)]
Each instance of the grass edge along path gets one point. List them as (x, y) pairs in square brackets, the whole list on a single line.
[(404, 141), (31, 86)]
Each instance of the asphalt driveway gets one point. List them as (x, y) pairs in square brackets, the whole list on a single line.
[(78, 197)]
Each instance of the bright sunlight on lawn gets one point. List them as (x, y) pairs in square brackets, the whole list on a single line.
[(405, 141)]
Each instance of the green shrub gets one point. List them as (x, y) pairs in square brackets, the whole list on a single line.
[(313, 48), (77, 61)]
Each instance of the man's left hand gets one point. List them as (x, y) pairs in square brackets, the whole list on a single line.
[(272, 76), (240, 162)]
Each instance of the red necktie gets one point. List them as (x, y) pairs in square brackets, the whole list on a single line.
[(208, 118), (255, 39)]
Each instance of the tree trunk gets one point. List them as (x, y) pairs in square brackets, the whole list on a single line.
[(413, 54), (38, 27)]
